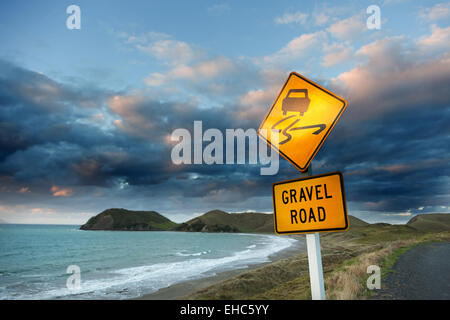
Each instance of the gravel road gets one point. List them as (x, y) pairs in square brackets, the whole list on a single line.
[(421, 273)]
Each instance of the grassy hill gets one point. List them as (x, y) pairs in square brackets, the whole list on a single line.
[(435, 222), (212, 221), (247, 222), (252, 222), (127, 220), (221, 221), (378, 232), (356, 222)]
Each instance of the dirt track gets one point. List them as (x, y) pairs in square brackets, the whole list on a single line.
[(421, 273)]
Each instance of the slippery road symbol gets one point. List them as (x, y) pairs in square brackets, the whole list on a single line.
[(286, 130), (296, 104), (303, 114)]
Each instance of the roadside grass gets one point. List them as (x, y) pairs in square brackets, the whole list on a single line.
[(349, 281), (345, 258), (286, 279), (387, 264)]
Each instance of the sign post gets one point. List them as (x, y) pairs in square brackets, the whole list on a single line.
[(303, 115), (315, 261), (310, 205), (315, 266)]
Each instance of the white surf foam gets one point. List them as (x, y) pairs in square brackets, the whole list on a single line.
[(136, 281)]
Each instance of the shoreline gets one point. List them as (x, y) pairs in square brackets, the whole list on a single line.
[(183, 289)]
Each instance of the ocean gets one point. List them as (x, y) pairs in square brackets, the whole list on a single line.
[(118, 264)]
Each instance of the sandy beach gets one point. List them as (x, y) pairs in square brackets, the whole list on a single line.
[(184, 289)]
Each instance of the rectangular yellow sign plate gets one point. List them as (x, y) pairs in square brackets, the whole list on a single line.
[(310, 204), (304, 114)]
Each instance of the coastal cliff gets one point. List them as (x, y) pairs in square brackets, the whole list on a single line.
[(212, 221), (127, 220)]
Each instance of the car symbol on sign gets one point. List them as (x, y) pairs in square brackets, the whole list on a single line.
[(294, 103)]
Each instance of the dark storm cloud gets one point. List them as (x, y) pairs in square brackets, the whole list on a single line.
[(45, 134), (392, 141), (12, 139), (87, 138), (395, 162)]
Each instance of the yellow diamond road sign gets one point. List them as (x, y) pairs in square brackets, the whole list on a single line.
[(311, 204), (303, 115)]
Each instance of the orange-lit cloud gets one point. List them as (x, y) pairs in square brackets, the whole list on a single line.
[(440, 11), (392, 80), (297, 48), (61, 192), (24, 190), (347, 29), (254, 104), (438, 39), (42, 211), (336, 53)]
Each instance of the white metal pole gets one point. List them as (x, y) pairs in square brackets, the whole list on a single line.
[(315, 266), (315, 262)]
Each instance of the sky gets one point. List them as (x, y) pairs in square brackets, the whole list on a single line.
[(85, 114)]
